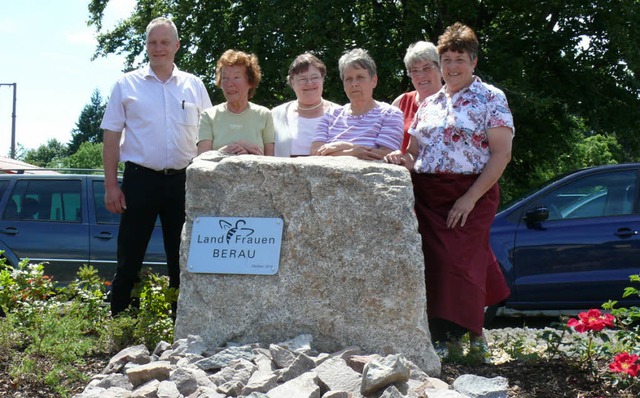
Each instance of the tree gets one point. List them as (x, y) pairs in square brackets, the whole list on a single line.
[(569, 68), (46, 155), (21, 152), (88, 124), (276, 31), (88, 156), (568, 72)]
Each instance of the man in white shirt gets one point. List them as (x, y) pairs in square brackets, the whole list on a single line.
[(150, 124)]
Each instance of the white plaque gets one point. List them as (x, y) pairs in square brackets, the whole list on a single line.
[(235, 245)]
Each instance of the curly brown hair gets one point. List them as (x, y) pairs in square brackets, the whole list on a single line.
[(250, 61), (459, 38)]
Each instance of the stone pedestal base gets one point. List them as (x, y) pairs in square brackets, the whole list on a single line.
[(351, 267)]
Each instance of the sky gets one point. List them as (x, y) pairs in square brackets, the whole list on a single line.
[(46, 50)]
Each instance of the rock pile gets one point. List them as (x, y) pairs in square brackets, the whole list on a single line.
[(285, 370)]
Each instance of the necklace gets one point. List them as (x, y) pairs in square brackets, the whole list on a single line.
[(308, 108)]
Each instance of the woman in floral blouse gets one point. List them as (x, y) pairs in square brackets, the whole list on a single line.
[(460, 145)]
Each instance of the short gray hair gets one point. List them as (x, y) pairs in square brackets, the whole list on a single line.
[(421, 51), (359, 58), (162, 21)]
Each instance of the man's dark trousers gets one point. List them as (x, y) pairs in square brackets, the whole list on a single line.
[(147, 193)]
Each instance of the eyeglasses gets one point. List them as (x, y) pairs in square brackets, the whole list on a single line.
[(304, 80), (421, 71)]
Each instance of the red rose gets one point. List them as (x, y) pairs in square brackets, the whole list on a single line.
[(591, 320), (625, 363)]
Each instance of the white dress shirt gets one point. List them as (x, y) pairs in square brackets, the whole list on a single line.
[(159, 120)]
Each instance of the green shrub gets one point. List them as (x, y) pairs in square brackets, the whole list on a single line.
[(119, 333), (88, 291), (154, 316), (49, 331), (26, 291)]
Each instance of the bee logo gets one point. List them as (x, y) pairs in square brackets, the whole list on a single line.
[(237, 230)]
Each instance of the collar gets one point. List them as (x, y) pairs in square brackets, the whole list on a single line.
[(474, 87), (148, 72)]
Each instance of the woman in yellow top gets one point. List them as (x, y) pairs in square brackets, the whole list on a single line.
[(237, 126)]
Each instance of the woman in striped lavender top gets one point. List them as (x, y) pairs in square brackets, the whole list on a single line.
[(364, 128)]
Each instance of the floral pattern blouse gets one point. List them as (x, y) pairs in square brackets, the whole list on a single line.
[(452, 131)]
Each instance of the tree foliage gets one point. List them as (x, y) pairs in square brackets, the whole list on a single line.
[(88, 124), (568, 68), (46, 155), (88, 156)]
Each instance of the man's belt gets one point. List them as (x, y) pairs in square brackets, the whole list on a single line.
[(166, 172)]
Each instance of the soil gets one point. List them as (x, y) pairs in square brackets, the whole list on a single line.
[(26, 386), (552, 379)]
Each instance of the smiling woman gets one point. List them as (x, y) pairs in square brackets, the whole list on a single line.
[(423, 66), (460, 145), (296, 121), (237, 126)]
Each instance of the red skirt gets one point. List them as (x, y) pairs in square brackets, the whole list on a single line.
[(462, 274)]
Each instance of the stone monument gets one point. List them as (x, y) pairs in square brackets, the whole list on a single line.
[(350, 269)]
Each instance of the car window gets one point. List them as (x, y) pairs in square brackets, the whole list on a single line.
[(104, 216), (3, 187), (45, 200), (598, 195)]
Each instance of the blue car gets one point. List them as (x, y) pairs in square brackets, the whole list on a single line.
[(61, 220), (573, 243)]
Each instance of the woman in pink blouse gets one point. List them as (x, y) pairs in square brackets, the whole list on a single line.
[(460, 146)]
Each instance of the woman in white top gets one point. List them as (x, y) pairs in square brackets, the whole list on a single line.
[(295, 122)]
